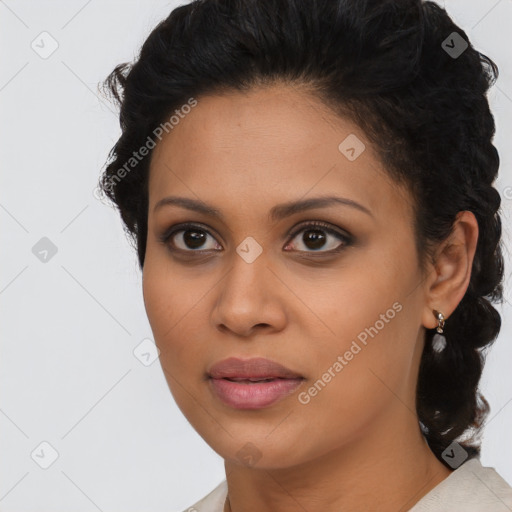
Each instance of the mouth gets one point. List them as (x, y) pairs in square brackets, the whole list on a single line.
[(251, 383), (253, 393)]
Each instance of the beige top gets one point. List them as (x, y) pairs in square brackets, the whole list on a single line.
[(470, 488)]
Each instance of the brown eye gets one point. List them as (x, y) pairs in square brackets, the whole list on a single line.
[(189, 238), (319, 238)]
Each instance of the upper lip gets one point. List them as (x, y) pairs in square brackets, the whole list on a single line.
[(257, 367)]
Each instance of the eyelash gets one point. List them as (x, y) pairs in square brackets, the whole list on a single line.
[(345, 239)]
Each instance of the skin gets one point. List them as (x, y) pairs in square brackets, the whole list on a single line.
[(357, 444)]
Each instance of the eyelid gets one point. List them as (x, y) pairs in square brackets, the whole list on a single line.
[(326, 226)]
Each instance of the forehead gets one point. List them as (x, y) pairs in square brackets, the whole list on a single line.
[(267, 146)]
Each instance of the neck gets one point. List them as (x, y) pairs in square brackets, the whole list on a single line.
[(367, 474)]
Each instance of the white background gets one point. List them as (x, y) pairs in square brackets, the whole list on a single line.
[(68, 375)]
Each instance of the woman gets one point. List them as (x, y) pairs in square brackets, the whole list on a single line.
[(309, 186)]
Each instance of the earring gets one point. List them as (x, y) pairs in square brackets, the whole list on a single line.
[(439, 340)]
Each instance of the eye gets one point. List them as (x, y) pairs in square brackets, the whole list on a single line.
[(315, 237), (191, 237), (316, 234)]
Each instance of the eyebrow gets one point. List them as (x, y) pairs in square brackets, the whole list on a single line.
[(276, 213)]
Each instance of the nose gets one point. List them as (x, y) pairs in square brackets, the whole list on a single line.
[(250, 298)]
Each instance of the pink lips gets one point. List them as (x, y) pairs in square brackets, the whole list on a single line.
[(252, 383)]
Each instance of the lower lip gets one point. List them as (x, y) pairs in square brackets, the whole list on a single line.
[(257, 395)]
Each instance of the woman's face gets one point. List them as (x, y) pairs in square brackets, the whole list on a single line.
[(339, 305)]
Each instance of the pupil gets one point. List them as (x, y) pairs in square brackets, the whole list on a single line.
[(315, 240), (193, 239)]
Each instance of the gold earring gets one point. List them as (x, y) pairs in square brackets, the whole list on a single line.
[(439, 340)]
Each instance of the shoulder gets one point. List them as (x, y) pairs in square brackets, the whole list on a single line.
[(470, 488), (213, 501)]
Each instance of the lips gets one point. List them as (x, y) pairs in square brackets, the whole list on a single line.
[(253, 395), (252, 383), (250, 370)]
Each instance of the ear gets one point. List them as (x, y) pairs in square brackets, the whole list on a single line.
[(451, 271)]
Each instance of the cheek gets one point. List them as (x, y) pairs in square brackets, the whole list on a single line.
[(170, 311), (363, 303), (166, 294), (166, 302), (158, 301), (353, 385), (366, 353), (174, 303)]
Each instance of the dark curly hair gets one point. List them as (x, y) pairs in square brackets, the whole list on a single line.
[(385, 65)]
